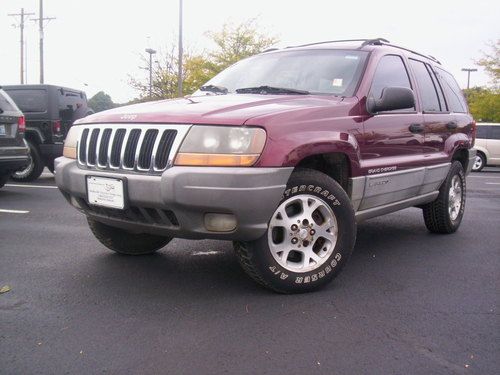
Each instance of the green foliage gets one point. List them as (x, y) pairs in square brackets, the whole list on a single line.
[(236, 42), (491, 63), (101, 102), (484, 104), (233, 43)]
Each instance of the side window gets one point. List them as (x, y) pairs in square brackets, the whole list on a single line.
[(454, 97), (426, 88), (495, 132), (391, 71), (482, 132)]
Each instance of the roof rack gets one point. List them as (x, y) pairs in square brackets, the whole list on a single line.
[(364, 41), (372, 42)]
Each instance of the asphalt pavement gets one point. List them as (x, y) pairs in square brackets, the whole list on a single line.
[(408, 302)]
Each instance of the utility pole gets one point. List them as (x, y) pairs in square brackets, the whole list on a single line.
[(468, 70), (21, 27), (40, 20), (151, 53), (179, 69)]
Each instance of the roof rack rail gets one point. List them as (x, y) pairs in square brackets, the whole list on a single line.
[(416, 53), (331, 41)]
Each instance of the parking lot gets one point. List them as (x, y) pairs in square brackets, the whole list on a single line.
[(408, 301)]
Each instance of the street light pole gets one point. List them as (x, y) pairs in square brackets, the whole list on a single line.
[(468, 70), (151, 53), (179, 68)]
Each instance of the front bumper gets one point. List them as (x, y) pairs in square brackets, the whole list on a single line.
[(175, 202)]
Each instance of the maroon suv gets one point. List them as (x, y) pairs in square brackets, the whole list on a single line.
[(282, 153)]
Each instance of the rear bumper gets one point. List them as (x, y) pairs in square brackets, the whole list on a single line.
[(175, 202), (13, 158)]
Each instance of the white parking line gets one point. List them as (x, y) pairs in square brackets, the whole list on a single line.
[(13, 211), (206, 253), (492, 183), (484, 176), (32, 186)]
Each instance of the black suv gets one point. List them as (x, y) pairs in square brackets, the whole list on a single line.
[(49, 111), (13, 150)]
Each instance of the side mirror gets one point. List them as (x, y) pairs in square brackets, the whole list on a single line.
[(392, 98)]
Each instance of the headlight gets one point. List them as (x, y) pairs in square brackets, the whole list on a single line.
[(221, 146), (70, 142)]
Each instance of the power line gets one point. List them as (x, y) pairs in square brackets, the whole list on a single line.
[(40, 20), (21, 27)]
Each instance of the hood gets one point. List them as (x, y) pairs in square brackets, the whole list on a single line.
[(231, 109)]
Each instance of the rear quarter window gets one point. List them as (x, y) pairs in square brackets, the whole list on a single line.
[(495, 132), (6, 105), (454, 96)]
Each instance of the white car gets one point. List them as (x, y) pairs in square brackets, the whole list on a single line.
[(487, 145)]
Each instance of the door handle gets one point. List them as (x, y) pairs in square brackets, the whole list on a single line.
[(416, 128), (451, 125)]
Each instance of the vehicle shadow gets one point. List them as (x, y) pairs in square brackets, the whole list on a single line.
[(209, 269)]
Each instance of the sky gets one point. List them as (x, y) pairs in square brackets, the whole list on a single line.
[(95, 45)]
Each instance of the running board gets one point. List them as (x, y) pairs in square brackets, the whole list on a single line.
[(396, 206)]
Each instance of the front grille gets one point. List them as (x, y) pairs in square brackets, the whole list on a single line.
[(140, 148)]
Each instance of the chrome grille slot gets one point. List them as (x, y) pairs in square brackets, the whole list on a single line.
[(91, 149), (141, 148), (116, 148), (164, 147), (82, 154), (146, 151), (102, 159), (130, 148)]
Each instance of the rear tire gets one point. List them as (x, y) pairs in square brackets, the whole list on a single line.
[(124, 242), (309, 239), (479, 162), (35, 167), (445, 214)]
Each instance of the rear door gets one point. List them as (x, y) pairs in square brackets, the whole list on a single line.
[(438, 122)]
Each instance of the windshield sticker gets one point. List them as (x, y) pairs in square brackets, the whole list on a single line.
[(337, 82)]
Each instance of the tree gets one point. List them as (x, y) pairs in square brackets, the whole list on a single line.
[(484, 104), (233, 43), (491, 63), (101, 102)]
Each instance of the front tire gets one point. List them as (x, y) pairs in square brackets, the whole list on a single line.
[(309, 239), (34, 168), (445, 214), (125, 242), (479, 162)]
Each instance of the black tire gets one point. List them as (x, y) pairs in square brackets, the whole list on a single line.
[(437, 215), (479, 163), (124, 242), (259, 263), (34, 169), (3, 180)]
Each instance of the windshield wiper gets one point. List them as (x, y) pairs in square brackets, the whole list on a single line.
[(215, 89), (270, 90)]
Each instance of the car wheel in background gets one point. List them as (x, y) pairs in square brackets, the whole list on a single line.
[(34, 168), (445, 214), (125, 242), (479, 162), (309, 239)]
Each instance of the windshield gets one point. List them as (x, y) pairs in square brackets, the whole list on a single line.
[(334, 72)]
